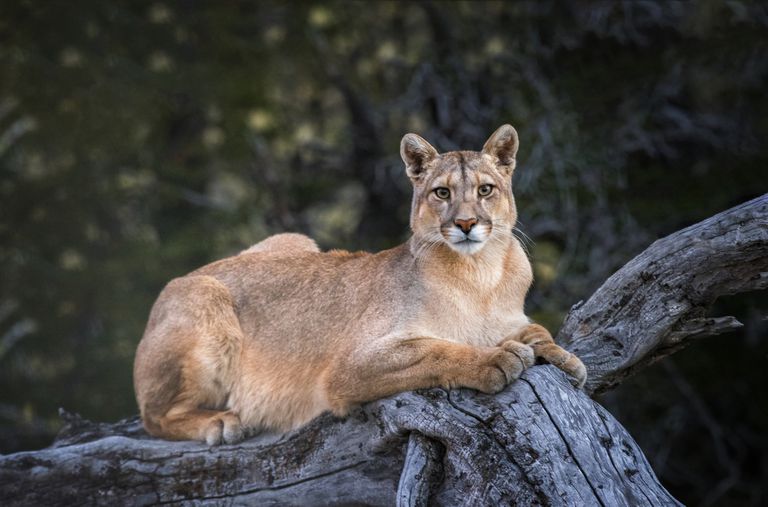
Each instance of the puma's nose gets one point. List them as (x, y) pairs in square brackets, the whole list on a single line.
[(465, 225)]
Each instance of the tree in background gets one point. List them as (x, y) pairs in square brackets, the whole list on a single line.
[(139, 141)]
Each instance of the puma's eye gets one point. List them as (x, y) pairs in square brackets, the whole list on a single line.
[(442, 193), (485, 190)]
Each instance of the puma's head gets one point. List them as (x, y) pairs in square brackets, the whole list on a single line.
[(462, 198)]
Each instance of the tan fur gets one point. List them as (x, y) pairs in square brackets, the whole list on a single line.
[(274, 336)]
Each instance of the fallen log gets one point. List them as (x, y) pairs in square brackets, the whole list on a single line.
[(539, 442)]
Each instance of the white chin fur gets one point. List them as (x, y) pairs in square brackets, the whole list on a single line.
[(467, 247)]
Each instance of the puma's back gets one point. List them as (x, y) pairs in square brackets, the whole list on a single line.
[(307, 303)]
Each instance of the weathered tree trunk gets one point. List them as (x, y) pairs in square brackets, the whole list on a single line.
[(538, 442)]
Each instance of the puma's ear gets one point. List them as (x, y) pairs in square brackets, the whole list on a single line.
[(416, 152), (503, 145)]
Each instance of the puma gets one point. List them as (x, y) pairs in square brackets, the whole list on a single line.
[(272, 337)]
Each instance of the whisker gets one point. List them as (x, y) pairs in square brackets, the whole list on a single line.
[(503, 229), (523, 243), (524, 235), (427, 244), (518, 227)]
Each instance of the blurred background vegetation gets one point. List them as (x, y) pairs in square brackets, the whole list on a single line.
[(140, 140)]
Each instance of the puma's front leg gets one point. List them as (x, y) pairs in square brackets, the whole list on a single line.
[(417, 363), (539, 339)]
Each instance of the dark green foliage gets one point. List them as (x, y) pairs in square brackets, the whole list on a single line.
[(139, 140)]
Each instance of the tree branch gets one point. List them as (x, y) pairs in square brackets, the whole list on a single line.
[(523, 446), (657, 303)]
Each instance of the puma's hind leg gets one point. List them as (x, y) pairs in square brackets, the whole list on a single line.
[(213, 427), (185, 363), (539, 339)]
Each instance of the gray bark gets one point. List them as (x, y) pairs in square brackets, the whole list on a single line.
[(658, 302), (539, 442)]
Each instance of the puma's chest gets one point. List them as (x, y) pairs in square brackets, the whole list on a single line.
[(469, 317)]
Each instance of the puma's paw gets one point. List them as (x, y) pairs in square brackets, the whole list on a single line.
[(534, 334), (566, 361), (224, 428), (576, 369), (524, 352), (498, 369)]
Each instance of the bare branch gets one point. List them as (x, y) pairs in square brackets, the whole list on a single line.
[(657, 303), (540, 442)]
